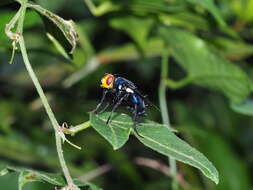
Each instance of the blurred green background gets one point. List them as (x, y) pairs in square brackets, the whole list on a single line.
[(121, 37)]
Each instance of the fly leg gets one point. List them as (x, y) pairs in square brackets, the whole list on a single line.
[(115, 106), (130, 108), (107, 105), (135, 117), (101, 102)]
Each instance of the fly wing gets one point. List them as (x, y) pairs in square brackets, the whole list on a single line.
[(146, 99), (130, 84)]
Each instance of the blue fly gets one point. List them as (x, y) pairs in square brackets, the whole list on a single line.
[(123, 91)]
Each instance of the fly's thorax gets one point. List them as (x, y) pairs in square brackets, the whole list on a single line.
[(129, 90)]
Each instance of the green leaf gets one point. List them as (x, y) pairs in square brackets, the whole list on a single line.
[(58, 46), (28, 175), (145, 7), (62, 30), (204, 66), (184, 19), (162, 140), (103, 8), (210, 6), (242, 9), (233, 49), (245, 107), (116, 132), (137, 28), (139, 7), (156, 136), (154, 47)]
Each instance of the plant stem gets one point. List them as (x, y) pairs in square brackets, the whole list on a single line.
[(178, 84), (162, 91), (164, 112), (103, 8), (43, 98), (77, 128)]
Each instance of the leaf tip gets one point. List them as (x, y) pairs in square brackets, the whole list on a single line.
[(4, 172), (216, 179), (116, 147)]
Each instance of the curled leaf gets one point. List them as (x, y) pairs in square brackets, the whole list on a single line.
[(62, 30)]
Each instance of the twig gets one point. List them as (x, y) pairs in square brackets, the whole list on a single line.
[(72, 130), (163, 168), (95, 173)]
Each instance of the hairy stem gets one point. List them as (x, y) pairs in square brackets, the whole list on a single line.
[(165, 114), (43, 98)]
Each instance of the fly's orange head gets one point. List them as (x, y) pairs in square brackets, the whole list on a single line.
[(107, 81)]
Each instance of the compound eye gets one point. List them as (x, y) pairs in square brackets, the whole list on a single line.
[(109, 80)]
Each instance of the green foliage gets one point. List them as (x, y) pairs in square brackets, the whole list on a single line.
[(60, 30), (242, 8), (164, 141), (210, 6), (245, 107), (205, 67), (27, 176), (156, 136), (233, 49), (212, 144), (211, 44), (116, 132), (230, 162), (138, 29), (5, 18), (187, 20)]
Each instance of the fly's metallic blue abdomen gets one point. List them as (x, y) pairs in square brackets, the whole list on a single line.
[(123, 85), (135, 99)]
